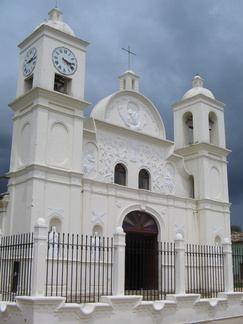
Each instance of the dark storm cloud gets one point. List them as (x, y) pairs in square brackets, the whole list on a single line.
[(173, 41)]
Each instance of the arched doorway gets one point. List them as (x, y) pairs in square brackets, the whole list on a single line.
[(141, 265)]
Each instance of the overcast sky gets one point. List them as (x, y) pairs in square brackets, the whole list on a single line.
[(173, 41)]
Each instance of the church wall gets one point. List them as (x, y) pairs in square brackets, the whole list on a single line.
[(63, 201), (16, 217), (214, 221), (47, 195), (28, 202), (107, 206)]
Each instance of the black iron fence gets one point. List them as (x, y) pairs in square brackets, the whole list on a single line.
[(16, 253), (205, 270), (150, 269), (79, 267), (237, 258)]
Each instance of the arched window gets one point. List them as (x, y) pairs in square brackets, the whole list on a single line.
[(143, 180), (120, 174)]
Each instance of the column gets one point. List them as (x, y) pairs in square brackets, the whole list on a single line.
[(228, 272), (180, 266), (119, 262), (39, 258)]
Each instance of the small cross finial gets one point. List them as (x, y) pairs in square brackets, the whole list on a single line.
[(129, 53), (56, 4)]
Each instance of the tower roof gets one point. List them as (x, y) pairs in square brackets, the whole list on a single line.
[(55, 21), (197, 88)]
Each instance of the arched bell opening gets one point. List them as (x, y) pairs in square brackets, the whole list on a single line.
[(213, 129), (189, 132)]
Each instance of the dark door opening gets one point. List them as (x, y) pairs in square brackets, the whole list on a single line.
[(141, 262), (16, 268)]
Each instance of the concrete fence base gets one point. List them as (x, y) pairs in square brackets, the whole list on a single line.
[(189, 308)]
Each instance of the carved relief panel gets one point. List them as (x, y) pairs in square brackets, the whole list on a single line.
[(90, 160), (135, 154)]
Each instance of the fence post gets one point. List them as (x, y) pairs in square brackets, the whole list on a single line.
[(39, 258), (180, 266), (228, 271), (119, 262)]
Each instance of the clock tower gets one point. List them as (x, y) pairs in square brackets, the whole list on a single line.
[(46, 158), (53, 58)]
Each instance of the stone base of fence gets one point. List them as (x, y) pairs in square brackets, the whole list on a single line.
[(188, 308)]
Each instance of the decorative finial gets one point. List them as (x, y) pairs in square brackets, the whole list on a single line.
[(129, 52), (197, 82)]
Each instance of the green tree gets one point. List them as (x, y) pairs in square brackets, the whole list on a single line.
[(235, 229)]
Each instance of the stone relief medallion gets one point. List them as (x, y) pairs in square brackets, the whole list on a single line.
[(133, 114)]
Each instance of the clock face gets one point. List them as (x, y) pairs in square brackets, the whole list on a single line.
[(30, 61), (64, 60)]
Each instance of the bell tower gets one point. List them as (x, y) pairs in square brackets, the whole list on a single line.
[(199, 135), (48, 129)]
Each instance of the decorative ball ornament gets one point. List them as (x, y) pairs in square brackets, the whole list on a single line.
[(30, 61), (64, 60)]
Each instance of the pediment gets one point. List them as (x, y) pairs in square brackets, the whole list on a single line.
[(130, 110)]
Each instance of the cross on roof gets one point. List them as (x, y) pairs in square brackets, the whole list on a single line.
[(129, 53)]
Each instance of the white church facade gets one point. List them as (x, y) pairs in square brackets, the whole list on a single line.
[(115, 169)]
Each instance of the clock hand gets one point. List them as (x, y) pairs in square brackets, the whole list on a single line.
[(31, 59), (67, 62)]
